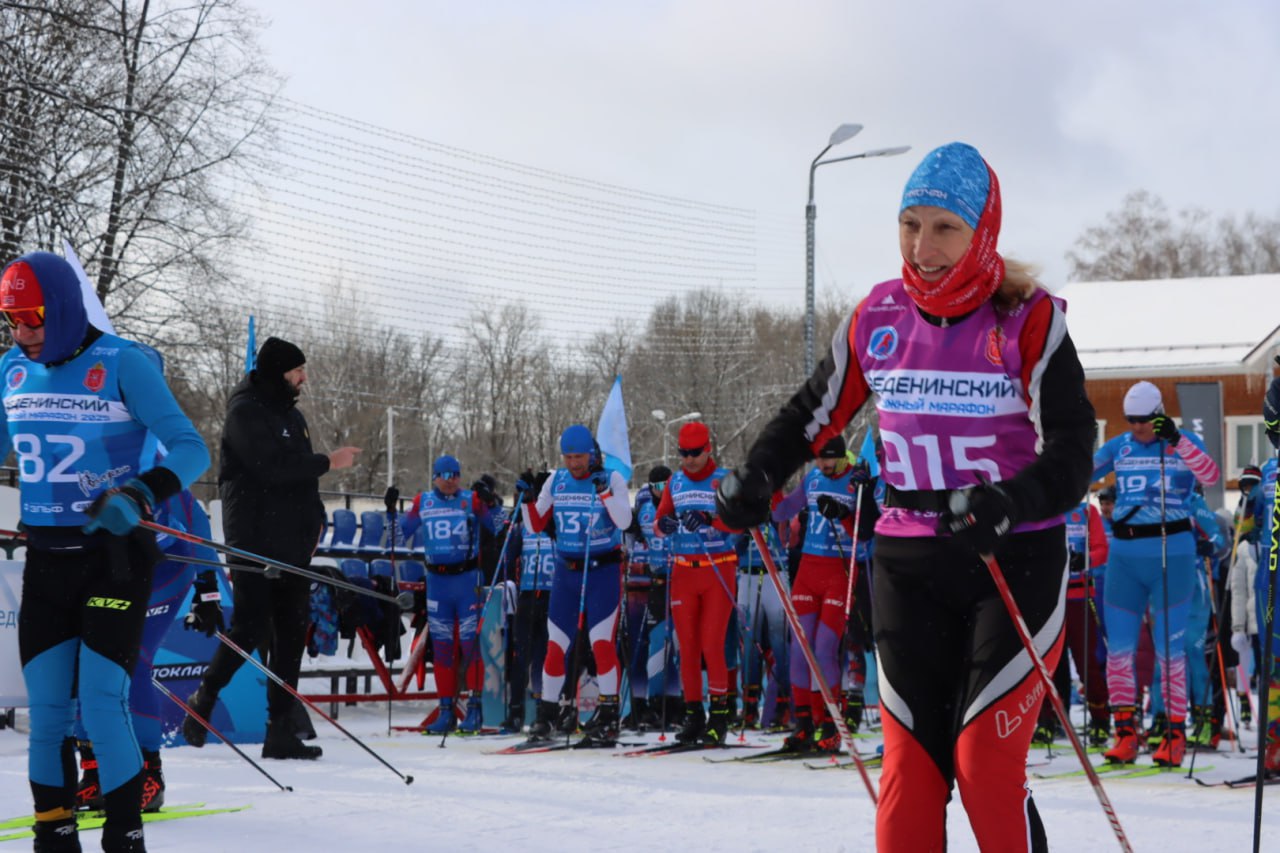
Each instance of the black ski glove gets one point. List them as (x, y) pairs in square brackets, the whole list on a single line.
[(391, 500), (742, 499), (979, 516), (1166, 429), (1271, 411), (1075, 562), (696, 519), (668, 524), (831, 508), (206, 606)]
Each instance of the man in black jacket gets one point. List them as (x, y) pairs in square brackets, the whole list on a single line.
[(269, 482)]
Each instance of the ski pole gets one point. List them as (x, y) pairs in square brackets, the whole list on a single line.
[(231, 644), (1166, 671), (581, 632), (1051, 693), (789, 609), (1215, 614), (1264, 672), (209, 727), (273, 568)]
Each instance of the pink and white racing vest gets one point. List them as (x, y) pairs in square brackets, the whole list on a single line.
[(953, 409)]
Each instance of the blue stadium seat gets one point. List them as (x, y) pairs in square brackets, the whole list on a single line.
[(413, 574), (371, 528), (354, 567), (380, 567), (344, 530)]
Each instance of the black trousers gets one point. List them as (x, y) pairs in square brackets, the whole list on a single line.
[(272, 615), (529, 644)]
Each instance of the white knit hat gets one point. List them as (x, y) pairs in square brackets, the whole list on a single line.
[(1143, 399)]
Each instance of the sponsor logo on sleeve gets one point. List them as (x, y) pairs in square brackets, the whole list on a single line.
[(17, 375)]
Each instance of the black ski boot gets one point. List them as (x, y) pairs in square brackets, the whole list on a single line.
[(542, 729), (602, 728), (152, 782), (302, 722), (650, 719), (828, 738), (855, 706), (801, 738), (694, 723), (202, 703), (751, 708), (282, 742), (116, 840), (673, 708), (718, 723), (88, 791), (515, 719), (635, 720), (56, 836), (567, 724)]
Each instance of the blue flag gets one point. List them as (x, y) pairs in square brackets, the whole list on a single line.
[(251, 349), (868, 453), (611, 433)]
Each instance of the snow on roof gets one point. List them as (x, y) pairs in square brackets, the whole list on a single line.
[(1173, 325)]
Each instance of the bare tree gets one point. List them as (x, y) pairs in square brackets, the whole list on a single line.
[(1143, 241), (116, 121)]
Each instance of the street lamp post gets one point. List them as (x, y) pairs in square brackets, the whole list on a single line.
[(661, 417), (840, 134)]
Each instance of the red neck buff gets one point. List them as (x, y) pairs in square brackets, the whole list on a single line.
[(973, 280)]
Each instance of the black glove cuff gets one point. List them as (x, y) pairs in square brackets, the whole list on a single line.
[(162, 482)]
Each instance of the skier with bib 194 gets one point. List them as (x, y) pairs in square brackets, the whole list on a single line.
[(450, 517), (591, 508), (78, 404), (1152, 562), (987, 433)]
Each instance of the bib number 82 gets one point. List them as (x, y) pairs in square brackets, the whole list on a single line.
[(32, 466)]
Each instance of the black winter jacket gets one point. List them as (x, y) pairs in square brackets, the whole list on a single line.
[(269, 478)]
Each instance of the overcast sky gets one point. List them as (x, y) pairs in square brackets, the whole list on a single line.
[(727, 101)]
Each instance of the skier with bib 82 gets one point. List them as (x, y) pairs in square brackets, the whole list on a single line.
[(78, 405)]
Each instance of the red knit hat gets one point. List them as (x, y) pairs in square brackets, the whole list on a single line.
[(694, 435)]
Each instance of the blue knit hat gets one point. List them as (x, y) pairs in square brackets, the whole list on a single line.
[(577, 439), (953, 177), (446, 466)]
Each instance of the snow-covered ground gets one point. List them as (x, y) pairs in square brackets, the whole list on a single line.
[(465, 799)]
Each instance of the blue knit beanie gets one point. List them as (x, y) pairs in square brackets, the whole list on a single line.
[(953, 177), (577, 439)]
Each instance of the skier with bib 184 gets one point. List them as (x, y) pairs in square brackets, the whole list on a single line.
[(987, 433), (591, 508), (78, 404), (450, 517), (1152, 562)]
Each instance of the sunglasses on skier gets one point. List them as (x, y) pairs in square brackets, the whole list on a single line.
[(1139, 419), (32, 318), (693, 451)]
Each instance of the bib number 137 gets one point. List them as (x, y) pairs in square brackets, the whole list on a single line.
[(921, 460)]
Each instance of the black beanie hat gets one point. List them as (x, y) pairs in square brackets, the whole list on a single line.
[(834, 449), (277, 357), (659, 474)]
